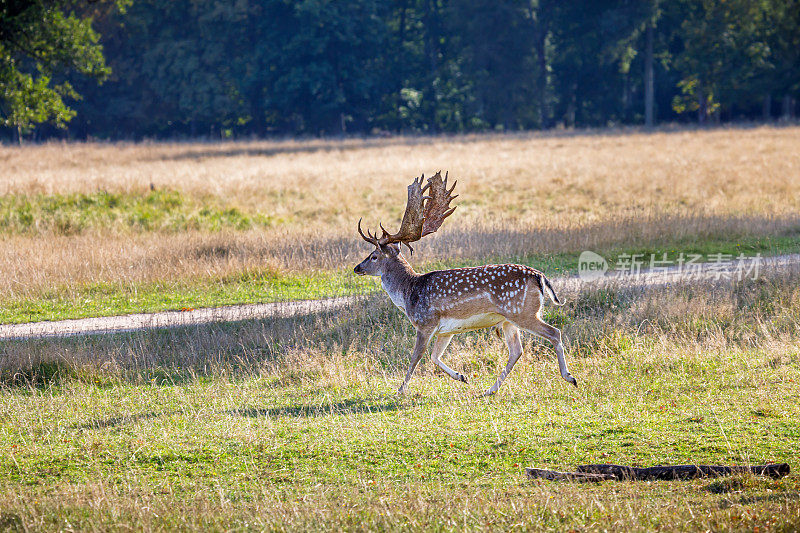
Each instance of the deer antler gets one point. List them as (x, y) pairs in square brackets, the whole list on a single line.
[(372, 239), (424, 214), (438, 206)]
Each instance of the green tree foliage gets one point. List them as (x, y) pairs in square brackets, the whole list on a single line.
[(40, 40), (245, 67)]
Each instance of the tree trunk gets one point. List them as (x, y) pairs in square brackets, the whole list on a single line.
[(702, 109), (541, 61), (432, 51), (626, 97), (572, 106), (649, 78), (402, 29), (401, 39), (766, 110), (787, 107)]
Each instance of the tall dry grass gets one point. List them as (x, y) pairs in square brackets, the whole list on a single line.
[(520, 194), (370, 335), (35, 265)]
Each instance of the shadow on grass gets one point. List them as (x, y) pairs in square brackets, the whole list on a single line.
[(346, 407), (232, 150), (124, 419), (215, 149), (777, 497)]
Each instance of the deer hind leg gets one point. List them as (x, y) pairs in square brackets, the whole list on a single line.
[(439, 346), (511, 334), (535, 325)]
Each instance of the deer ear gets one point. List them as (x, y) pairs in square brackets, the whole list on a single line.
[(390, 249)]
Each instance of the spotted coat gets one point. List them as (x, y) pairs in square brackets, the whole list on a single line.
[(444, 302)]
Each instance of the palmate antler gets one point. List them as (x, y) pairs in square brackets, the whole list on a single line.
[(424, 214)]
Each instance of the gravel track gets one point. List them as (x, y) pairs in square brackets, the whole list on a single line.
[(632, 278)]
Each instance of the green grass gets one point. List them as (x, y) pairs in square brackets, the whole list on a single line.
[(294, 424), (161, 210), (324, 443), (107, 299)]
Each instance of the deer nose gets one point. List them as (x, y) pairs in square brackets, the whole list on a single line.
[(357, 269)]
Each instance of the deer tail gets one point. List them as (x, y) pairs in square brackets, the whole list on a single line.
[(550, 292)]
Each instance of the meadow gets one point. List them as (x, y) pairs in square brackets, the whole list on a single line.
[(90, 228), (295, 424)]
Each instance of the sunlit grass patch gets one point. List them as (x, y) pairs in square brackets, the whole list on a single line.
[(253, 286), (161, 210)]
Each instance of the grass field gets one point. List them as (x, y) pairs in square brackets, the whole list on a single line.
[(85, 228), (294, 423)]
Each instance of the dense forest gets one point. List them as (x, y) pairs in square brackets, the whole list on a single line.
[(221, 69)]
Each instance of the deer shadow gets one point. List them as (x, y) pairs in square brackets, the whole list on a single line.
[(346, 407)]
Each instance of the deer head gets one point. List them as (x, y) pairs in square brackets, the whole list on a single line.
[(423, 216)]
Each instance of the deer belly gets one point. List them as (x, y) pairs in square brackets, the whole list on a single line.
[(458, 325)]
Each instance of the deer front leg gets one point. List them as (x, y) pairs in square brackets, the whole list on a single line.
[(423, 338)]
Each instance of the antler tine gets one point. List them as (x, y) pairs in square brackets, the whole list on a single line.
[(447, 175), (427, 185), (371, 239)]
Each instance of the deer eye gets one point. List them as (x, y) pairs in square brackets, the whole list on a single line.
[(374, 258)]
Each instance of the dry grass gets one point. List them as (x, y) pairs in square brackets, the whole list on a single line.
[(293, 424), (328, 183), (596, 323), (520, 195)]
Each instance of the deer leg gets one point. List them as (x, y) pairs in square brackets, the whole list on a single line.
[(511, 334), (546, 331), (439, 346), (423, 339)]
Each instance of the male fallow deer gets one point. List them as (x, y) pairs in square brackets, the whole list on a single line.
[(445, 302)]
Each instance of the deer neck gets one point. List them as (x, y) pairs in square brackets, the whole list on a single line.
[(397, 280)]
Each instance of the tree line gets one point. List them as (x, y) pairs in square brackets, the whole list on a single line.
[(215, 68)]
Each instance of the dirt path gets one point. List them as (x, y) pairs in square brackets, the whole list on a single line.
[(633, 277)]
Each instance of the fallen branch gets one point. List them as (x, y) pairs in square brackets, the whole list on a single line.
[(554, 475), (684, 471), (597, 473)]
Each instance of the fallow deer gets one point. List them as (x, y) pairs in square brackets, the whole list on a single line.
[(445, 302)]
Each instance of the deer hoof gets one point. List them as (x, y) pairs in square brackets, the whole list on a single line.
[(462, 378), (572, 380)]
